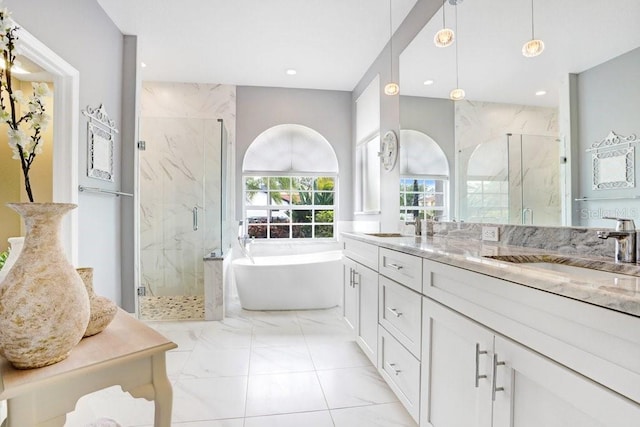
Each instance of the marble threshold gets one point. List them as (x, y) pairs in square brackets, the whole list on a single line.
[(508, 262)]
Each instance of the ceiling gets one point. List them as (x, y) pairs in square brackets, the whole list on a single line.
[(578, 34), (331, 43)]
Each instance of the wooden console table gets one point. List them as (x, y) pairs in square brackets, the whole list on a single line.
[(128, 353)]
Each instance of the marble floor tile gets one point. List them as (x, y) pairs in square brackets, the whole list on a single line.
[(284, 393), (274, 360), (265, 336), (223, 362), (209, 398), (260, 369), (386, 415), (354, 387), (345, 354), (306, 419)]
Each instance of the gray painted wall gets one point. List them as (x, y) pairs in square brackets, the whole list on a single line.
[(327, 112), (436, 118), (608, 100), (82, 34), (385, 66)]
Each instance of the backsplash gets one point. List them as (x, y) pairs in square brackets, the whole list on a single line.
[(566, 240)]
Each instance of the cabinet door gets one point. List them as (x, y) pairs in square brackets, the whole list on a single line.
[(534, 391), (456, 363), (350, 296), (367, 285)]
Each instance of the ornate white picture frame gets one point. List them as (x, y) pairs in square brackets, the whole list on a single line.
[(613, 160), (101, 133)]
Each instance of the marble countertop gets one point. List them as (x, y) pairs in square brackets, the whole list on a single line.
[(621, 293)]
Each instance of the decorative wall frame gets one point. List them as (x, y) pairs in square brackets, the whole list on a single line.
[(613, 160), (389, 150), (101, 132)]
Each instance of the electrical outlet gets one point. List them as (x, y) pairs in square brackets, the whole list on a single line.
[(491, 234)]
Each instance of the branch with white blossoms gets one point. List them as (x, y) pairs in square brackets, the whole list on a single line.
[(18, 111)]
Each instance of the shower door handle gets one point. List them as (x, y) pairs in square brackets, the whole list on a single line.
[(194, 213)]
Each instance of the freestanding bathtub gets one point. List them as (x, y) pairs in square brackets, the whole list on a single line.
[(291, 282)]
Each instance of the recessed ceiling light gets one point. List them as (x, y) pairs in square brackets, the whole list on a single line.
[(541, 92), (291, 72), (428, 82), (143, 65)]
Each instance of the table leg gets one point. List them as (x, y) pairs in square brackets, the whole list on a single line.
[(24, 411), (163, 400)]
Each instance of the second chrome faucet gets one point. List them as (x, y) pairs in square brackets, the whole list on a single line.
[(625, 237)]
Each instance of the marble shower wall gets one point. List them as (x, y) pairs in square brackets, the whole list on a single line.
[(180, 171), (481, 130)]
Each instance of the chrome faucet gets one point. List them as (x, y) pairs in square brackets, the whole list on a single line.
[(417, 223), (625, 235)]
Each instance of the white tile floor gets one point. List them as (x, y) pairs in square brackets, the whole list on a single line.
[(260, 369)]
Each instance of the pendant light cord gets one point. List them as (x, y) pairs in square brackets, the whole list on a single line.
[(391, 39), (444, 24), (456, 43), (532, 35)]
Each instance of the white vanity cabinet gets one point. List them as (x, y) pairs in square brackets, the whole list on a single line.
[(360, 296), (400, 318), (502, 355), (474, 377)]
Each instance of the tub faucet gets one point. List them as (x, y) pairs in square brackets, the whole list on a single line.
[(625, 235)]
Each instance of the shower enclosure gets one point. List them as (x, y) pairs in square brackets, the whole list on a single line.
[(182, 178), (514, 179)]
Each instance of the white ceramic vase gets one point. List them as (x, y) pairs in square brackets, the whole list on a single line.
[(15, 245), (44, 306)]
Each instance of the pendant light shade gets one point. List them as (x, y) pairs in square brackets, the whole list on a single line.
[(457, 94), (533, 47), (391, 88), (445, 37)]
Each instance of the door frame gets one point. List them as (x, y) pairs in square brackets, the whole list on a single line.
[(66, 95)]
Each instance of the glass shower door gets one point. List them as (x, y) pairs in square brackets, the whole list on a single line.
[(179, 210)]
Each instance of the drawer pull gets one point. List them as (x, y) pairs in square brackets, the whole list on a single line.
[(392, 366), (494, 388), (394, 312), (478, 353), (396, 266)]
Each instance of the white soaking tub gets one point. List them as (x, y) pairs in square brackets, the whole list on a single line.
[(289, 282)]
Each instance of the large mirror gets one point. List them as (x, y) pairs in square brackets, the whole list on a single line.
[(517, 143)]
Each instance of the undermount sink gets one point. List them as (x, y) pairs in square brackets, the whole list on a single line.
[(385, 234), (564, 265), (585, 272)]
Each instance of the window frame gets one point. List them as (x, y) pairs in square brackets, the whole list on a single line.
[(313, 207), (443, 209)]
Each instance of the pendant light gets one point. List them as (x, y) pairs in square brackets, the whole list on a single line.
[(391, 88), (533, 47), (457, 94), (445, 36)]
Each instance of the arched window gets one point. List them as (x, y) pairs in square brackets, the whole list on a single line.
[(290, 181), (424, 177)]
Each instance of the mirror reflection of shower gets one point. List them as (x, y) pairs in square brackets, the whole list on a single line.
[(514, 179)]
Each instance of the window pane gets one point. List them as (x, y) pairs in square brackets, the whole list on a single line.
[(323, 198), (257, 231), (257, 216), (279, 231), (302, 198), (280, 217), (301, 216), (279, 183), (304, 183), (301, 231), (324, 216), (323, 231), (253, 183), (324, 183)]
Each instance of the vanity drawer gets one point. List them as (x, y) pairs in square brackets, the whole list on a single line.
[(400, 312), (401, 371), (403, 268), (363, 253)]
